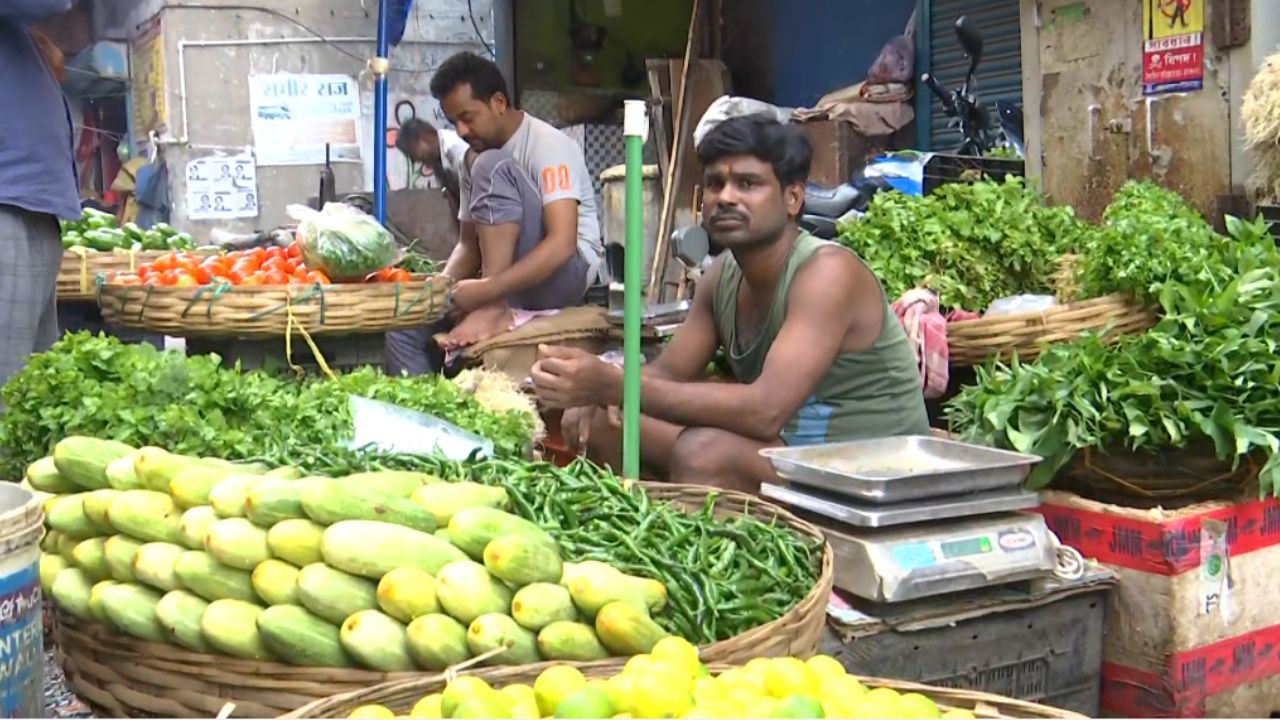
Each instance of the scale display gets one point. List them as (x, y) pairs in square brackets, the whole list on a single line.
[(961, 548)]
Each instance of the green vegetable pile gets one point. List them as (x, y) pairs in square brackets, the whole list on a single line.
[(970, 243), (100, 387), (1206, 373), (97, 230), (724, 575)]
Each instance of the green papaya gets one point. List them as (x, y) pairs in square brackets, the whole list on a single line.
[(50, 565), (97, 504), (372, 549), (271, 501), (66, 514), (120, 474), (194, 525), (228, 497), (398, 483), (570, 642), (296, 541), (495, 630), (625, 628), (406, 593), (376, 641), (89, 557), (83, 460), (334, 595), (466, 591), (472, 530), (211, 580), (524, 558), (120, 551), (155, 467), (132, 608), (444, 500), (179, 613), (300, 637), (237, 542), (156, 564), (276, 582), (437, 641), (327, 502), (231, 626), (191, 485), (97, 609), (43, 476), (146, 515), (538, 605), (71, 590)]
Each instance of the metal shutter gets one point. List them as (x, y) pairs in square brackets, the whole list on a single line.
[(999, 75)]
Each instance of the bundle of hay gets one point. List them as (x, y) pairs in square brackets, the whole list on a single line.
[(1261, 112)]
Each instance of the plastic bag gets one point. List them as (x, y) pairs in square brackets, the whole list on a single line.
[(729, 106), (1020, 304), (343, 242), (396, 429)]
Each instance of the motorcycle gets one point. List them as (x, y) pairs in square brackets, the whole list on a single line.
[(980, 136)]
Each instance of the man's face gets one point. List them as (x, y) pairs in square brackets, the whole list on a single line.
[(478, 122), (743, 205)]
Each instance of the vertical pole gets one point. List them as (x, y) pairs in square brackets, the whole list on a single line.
[(635, 128), (380, 118)]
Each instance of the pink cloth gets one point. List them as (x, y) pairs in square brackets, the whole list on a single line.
[(918, 312)]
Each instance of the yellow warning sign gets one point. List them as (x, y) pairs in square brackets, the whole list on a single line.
[(1170, 18)]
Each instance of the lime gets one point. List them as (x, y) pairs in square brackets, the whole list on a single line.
[(798, 706), (915, 705), (589, 702), (555, 684), (789, 676), (481, 706), (372, 711), (463, 688), (428, 707), (655, 697)]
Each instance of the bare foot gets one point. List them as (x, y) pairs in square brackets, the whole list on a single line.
[(480, 325)]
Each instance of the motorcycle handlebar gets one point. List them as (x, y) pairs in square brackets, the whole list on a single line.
[(941, 92)]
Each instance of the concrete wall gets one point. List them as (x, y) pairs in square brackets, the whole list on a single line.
[(214, 117), (1090, 128)]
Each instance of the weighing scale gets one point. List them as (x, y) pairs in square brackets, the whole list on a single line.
[(915, 516)]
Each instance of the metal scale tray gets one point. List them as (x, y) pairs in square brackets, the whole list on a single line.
[(900, 469), (866, 515)]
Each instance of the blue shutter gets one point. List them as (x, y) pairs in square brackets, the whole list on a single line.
[(999, 75)]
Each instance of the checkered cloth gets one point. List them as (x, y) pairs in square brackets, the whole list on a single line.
[(30, 254)]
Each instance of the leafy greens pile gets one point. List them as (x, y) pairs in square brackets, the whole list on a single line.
[(98, 386), (970, 243), (1207, 372)]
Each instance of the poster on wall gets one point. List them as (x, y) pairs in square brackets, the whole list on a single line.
[(222, 187), (1173, 46), (146, 58), (295, 116)]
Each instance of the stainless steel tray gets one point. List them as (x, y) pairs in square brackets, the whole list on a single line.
[(900, 469), (865, 515)]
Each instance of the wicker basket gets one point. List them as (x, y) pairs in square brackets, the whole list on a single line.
[(400, 697), (80, 269), (126, 677), (971, 342), (1168, 478), (272, 311)]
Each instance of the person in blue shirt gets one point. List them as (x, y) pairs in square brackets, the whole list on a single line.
[(37, 184)]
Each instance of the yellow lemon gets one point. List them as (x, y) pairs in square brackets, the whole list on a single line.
[(589, 702), (519, 693), (790, 676), (916, 705), (525, 710), (678, 653), (554, 685), (846, 687), (639, 664), (707, 692), (958, 715), (619, 689), (758, 666), (428, 707), (653, 697), (825, 666), (739, 681), (467, 687), (878, 703), (372, 711)]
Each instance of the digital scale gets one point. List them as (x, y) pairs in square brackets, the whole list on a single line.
[(916, 516)]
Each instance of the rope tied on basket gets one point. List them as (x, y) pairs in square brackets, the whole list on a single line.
[(316, 291), (80, 252), (214, 291), (291, 322), (451, 673)]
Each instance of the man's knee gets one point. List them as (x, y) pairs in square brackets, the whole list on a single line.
[(696, 456)]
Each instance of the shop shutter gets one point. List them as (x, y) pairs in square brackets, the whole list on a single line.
[(999, 75)]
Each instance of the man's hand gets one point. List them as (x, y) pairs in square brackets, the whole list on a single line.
[(468, 295), (569, 378), (575, 425)]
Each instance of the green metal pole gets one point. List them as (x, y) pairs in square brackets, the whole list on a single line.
[(635, 128)]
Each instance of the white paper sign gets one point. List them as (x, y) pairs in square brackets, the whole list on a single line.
[(221, 188), (295, 116)]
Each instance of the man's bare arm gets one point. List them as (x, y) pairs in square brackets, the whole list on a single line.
[(558, 246), (464, 261), (809, 341)]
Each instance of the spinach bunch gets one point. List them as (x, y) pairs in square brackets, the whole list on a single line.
[(970, 243), (1206, 372), (98, 386)]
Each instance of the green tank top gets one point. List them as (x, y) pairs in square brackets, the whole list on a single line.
[(868, 394)]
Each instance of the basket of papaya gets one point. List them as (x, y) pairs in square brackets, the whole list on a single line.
[(672, 682), (182, 583), (266, 293), (94, 246)]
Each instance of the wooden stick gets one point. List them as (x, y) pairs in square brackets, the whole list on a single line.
[(657, 277)]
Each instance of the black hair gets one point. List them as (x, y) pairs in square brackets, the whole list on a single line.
[(466, 68), (409, 133), (783, 146)]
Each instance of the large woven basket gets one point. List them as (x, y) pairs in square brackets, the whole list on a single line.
[(276, 310), (1025, 334), (400, 697), (126, 677), (1168, 478), (78, 275)]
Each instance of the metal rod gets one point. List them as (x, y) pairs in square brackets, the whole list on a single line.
[(635, 128), (380, 120)]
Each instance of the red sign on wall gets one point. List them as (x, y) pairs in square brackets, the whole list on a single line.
[(1173, 46)]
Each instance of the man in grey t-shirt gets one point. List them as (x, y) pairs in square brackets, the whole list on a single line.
[(529, 228)]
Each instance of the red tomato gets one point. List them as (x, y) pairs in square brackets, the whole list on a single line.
[(164, 262), (299, 272), (276, 252), (183, 279), (203, 276), (275, 277), (152, 280), (315, 276), (398, 275), (144, 270), (250, 280), (295, 250)]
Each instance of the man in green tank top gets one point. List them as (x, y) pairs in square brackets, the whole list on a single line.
[(816, 353)]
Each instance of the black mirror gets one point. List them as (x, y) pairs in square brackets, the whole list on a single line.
[(970, 39)]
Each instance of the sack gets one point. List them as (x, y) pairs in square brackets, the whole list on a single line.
[(343, 242), (895, 63)]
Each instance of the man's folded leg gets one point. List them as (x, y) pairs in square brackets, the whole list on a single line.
[(414, 351)]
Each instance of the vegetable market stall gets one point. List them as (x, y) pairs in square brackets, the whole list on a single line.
[(95, 246)]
